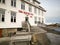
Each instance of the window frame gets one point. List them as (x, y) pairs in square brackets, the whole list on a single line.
[(30, 8), (13, 3), (35, 10), (2, 15), (35, 19), (42, 20), (22, 5), (13, 16), (39, 20), (28, 0), (2, 1), (38, 11)]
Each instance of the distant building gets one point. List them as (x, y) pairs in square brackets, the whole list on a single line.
[(14, 12)]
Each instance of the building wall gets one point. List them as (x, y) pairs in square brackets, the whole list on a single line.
[(19, 16), (7, 32)]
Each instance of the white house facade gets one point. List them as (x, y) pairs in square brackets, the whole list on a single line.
[(13, 13)]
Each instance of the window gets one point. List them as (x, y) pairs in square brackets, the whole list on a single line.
[(39, 20), (2, 15), (42, 20), (2, 1), (30, 8), (35, 10), (26, 19), (35, 20), (28, 0), (13, 17), (13, 3), (23, 5), (38, 11), (33, 1)]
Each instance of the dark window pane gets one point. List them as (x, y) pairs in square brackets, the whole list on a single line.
[(35, 22), (42, 20), (2, 15), (14, 19), (3, 1), (11, 19), (2, 18), (0, 0), (14, 4), (13, 16), (39, 22), (22, 5), (11, 2), (26, 18), (30, 8), (28, 0), (35, 10)]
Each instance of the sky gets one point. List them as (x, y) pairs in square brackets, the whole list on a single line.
[(53, 10)]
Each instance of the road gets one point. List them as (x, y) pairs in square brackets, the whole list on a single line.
[(54, 38)]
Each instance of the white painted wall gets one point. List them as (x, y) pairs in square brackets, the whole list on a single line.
[(19, 16)]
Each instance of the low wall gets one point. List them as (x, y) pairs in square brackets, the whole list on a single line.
[(6, 32)]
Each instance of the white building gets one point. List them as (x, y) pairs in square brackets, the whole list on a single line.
[(13, 13)]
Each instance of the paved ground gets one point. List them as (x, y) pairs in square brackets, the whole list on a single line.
[(54, 38), (4, 43)]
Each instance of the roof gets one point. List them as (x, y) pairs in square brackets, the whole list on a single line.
[(37, 1), (38, 6)]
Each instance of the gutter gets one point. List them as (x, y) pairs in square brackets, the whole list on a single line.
[(37, 6)]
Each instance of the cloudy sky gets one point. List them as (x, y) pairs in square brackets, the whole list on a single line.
[(53, 10)]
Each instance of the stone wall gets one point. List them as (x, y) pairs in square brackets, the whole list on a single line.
[(6, 32)]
